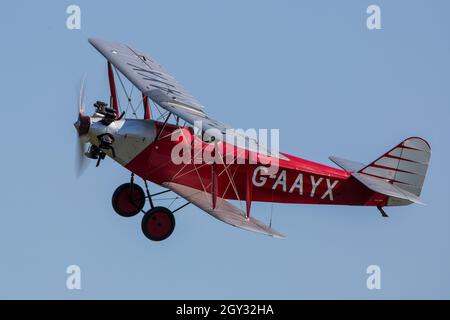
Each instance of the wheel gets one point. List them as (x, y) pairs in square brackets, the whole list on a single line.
[(158, 223), (128, 200)]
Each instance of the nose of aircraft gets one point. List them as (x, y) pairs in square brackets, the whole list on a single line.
[(82, 124)]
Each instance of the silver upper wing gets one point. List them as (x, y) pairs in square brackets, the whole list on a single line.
[(156, 83)]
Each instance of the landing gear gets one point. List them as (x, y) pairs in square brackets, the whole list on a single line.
[(383, 213), (158, 223), (128, 200)]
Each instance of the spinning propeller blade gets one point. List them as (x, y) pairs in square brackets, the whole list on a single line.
[(82, 125), (81, 159), (81, 95)]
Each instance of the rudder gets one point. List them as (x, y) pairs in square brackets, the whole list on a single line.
[(405, 165)]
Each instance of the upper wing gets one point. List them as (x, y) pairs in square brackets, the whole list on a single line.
[(153, 81), (146, 74), (224, 210)]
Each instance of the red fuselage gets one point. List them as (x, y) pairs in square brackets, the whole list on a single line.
[(296, 180)]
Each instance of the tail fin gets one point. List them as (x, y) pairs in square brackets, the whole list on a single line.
[(399, 173), (404, 166)]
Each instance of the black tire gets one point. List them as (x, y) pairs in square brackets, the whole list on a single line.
[(126, 205), (158, 224)]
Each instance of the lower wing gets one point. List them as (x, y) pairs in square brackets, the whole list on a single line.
[(224, 211)]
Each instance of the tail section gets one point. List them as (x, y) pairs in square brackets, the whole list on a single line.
[(399, 173), (404, 166)]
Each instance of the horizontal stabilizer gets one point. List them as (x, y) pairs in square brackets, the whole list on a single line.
[(224, 210), (385, 187), (347, 165)]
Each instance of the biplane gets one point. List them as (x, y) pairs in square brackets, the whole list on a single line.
[(145, 147)]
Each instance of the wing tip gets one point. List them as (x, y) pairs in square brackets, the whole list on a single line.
[(93, 40), (98, 43)]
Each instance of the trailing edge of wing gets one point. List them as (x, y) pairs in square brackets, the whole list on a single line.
[(386, 188), (224, 210)]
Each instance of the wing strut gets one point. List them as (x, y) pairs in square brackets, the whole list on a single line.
[(248, 189), (215, 185), (112, 88), (146, 107)]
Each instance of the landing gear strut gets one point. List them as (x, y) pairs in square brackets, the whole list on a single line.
[(157, 223), (383, 213)]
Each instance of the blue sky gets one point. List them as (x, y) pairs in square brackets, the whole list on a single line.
[(310, 68)]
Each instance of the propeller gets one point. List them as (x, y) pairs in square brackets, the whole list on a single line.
[(82, 126)]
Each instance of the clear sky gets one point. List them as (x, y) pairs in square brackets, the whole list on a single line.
[(310, 68)]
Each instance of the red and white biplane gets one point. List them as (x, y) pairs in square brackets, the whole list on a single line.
[(145, 147)]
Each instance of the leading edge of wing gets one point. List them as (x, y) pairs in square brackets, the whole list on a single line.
[(145, 73), (224, 210)]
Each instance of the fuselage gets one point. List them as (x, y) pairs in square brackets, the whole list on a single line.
[(146, 148)]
